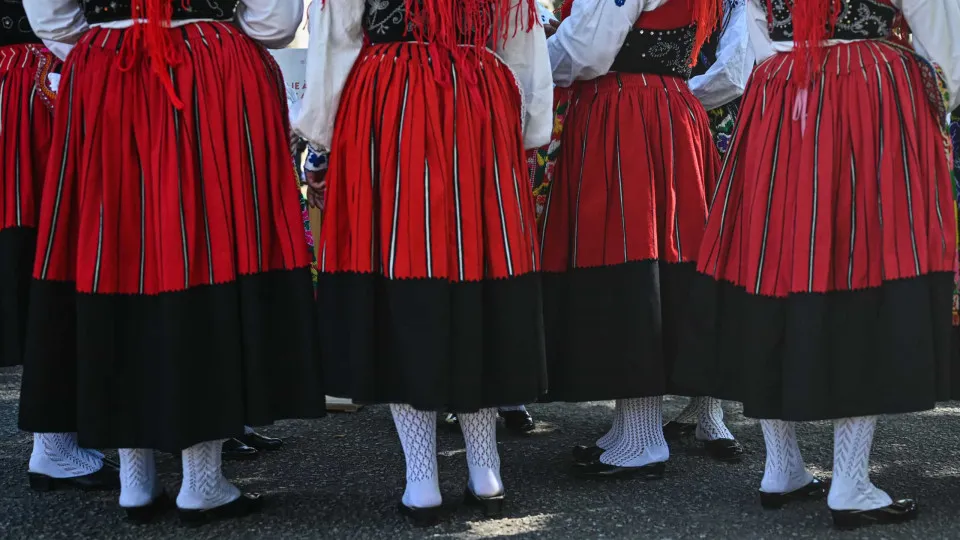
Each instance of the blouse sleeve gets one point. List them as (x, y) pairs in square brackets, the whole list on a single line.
[(273, 23), (726, 79), (587, 42), (526, 54), (935, 24), (760, 40), (59, 23), (336, 37)]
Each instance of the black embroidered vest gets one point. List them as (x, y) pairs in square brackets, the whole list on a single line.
[(860, 19), (657, 52), (104, 11), (386, 22), (14, 26)]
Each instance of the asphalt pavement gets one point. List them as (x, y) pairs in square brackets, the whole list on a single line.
[(341, 478)]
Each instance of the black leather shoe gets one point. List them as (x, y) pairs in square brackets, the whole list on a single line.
[(653, 471), (585, 455), (674, 431), (106, 479), (236, 450), (261, 442), (143, 515), (518, 421), (421, 517), (492, 506), (724, 450), (247, 504), (898, 512), (814, 491)]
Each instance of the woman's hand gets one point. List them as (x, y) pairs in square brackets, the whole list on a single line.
[(316, 187)]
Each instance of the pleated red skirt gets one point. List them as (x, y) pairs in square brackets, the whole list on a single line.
[(830, 247), (428, 292), (620, 232), (171, 258), (26, 124)]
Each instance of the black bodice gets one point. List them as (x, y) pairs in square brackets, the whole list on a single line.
[(657, 52), (102, 11), (386, 22), (860, 19), (14, 26)]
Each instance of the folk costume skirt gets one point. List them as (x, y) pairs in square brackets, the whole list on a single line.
[(620, 233), (26, 125), (428, 291), (171, 301), (827, 262)]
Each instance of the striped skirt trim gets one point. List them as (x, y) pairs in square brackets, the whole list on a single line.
[(143, 198), (428, 180), (636, 164), (25, 133), (862, 195)]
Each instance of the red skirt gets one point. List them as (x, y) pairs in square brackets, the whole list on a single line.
[(829, 251), (26, 113), (428, 250), (170, 252), (620, 232)]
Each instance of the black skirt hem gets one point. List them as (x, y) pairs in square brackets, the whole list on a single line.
[(17, 248), (433, 344), (821, 356), (171, 370), (611, 331)]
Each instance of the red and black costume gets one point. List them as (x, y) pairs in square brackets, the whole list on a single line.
[(26, 112), (826, 268), (170, 259)]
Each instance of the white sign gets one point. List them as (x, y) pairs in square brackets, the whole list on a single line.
[(293, 65)]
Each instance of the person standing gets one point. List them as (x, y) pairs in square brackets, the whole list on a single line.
[(621, 225), (27, 76), (827, 263), (170, 258), (718, 81), (429, 297)]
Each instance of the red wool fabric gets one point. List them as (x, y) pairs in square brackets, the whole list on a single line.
[(428, 180), (636, 166), (859, 199), (142, 198), (26, 131)]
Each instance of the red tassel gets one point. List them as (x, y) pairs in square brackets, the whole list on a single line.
[(440, 23), (154, 37), (707, 14), (813, 23)]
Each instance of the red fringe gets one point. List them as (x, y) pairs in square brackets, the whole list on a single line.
[(707, 14), (440, 22), (813, 23), (153, 37)]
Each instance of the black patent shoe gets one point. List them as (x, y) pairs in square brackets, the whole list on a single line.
[(247, 504), (898, 512), (492, 506), (585, 455), (143, 515), (813, 491), (236, 450), (724, 450), (674, 431), (421, 517), (261, 442), (105, 479), (597, 469), (518, 421)]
